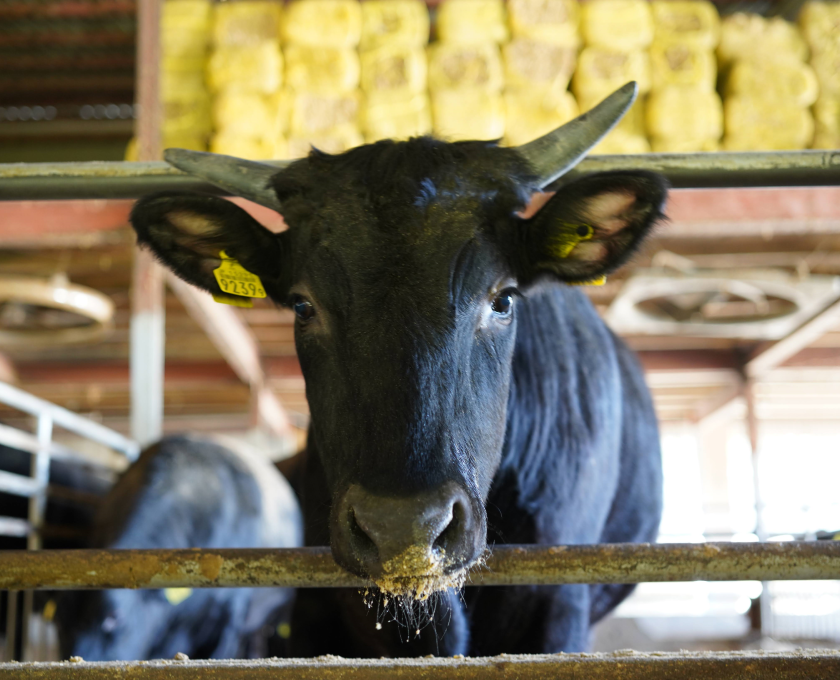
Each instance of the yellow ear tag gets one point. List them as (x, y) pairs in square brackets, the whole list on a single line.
[(563, 242), (49, 610), (176, 596), (234, 279), (247, 303), (600, 281)]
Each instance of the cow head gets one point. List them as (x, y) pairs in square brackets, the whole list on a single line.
[(403, 262)]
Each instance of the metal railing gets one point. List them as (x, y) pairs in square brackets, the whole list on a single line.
[(34, 487), (801, 665), (504, 566), (118, 179)]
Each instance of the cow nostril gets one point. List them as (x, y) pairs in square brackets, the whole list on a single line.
[(364, 544), (450, 537)]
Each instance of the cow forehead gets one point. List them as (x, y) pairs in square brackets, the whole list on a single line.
[(418, 253)]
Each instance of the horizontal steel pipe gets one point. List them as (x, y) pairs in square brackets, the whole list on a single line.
[(45, 181), (507, 565), (800, 665)]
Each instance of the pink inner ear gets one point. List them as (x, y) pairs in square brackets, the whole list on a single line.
[(609, 211), (538, 200), (270, 219)]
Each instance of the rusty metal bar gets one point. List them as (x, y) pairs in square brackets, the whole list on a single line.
[(46, 181), (815, 664), (508, 565)]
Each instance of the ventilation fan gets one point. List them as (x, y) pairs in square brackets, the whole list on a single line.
[(36, 311), (755, 304)]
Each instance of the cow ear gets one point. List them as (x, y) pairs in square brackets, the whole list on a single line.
[(591, 226), (187, 233)]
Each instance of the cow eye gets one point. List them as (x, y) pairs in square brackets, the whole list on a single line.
[(304, 310), (502, 304)]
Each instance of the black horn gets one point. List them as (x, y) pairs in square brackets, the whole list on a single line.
[(557, 152), (248, 179)]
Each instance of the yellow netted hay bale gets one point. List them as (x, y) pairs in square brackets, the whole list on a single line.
[(752, 125), (552, 21), (682, 114), (616, 24), (749, 36), (820, 25), (394, 22), (186, 14), (771, 80), (674, 64), (322, 69), (253, 148), (620, 142), (282, 102), (184, 44), (323, 23), (472, 21), (601, 71), (246, 23), (693, 23), (632, 123), (476, 66), (238, 113), (826, 140), (396, 115), (660, 145), (827, 116), (826, 65), (335, 141), (468, 114), (530, 62), (315, 114), (178, 74), (532, 112), (394, 68), (258, 68), (185, 27), (186, 112)]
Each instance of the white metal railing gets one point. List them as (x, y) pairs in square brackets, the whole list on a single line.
[(34, 487)]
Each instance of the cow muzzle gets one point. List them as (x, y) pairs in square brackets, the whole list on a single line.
[(413, 545)]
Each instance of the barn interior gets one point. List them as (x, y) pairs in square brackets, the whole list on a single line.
[(733, 306)]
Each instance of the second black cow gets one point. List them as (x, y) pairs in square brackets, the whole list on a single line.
[(462, 394)]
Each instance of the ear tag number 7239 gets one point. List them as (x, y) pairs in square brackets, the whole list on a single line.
[(234, 279)]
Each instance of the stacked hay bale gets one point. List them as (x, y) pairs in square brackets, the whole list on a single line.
[(465, 70), (684, 112), (244, 75), (393, 69), (616, 35), (322, 101), (768, 86), (538, 63), (820, 24), (184, 40)]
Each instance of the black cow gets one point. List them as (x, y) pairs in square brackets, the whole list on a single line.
[(461, 393), (184, 492)]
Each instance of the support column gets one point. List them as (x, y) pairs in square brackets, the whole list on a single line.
[(147, 298), (147, 349), (765, 600)]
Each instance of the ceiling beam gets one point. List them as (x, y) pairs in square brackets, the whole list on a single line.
[(779, 352), (768, 358)]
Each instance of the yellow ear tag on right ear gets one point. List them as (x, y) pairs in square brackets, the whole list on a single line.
[(563, 242), (234, 279)]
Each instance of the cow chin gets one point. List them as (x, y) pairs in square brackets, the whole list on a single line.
[(410, 546)]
